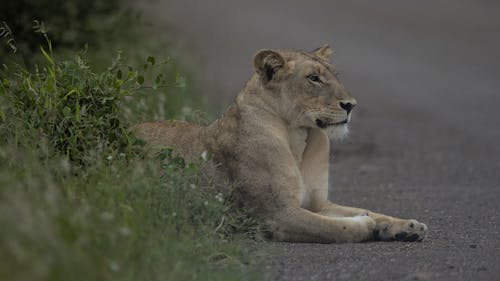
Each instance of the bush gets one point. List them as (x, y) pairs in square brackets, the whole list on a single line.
[(73, 108), (78, 199), (69, 106), (118, 220)]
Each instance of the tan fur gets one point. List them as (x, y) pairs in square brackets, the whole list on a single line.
[(274, 142)]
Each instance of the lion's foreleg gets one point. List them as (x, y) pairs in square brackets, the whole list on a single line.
[(273, 191), (387, 228), (314, 168), (300, 225)]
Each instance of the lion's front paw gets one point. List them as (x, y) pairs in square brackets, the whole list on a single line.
[(400, 230)]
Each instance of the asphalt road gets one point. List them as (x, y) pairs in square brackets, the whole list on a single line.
[(425, 139)]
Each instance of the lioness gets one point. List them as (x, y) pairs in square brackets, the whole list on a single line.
[(274, 139)]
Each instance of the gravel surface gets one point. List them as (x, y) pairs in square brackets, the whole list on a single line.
[(425, 136)]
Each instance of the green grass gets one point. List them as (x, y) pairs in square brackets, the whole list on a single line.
[(117, 220), (79, 198)]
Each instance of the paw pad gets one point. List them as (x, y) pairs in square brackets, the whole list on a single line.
[(403, 236), (400, 236)]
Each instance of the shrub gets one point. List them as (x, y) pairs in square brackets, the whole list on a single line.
[(78, 201), (74, 109), (117, 220)]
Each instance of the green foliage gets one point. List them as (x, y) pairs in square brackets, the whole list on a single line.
[(198, 202), (6, 35), (78, 198), (75, 109), (118, 220)]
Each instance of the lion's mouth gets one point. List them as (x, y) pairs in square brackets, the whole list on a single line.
[(323, 124)]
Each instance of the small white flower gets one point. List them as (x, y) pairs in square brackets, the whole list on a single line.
[(204, 156), (125, 231), (122, 154), (65, 165), (109, 158), (219, 197), (174, 214), (186, 110), (192, 186), (107, 216), (114, 266)]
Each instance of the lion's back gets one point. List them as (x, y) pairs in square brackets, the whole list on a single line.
[(182, 136)]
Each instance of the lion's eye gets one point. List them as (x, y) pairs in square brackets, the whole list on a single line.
[(314, 78)]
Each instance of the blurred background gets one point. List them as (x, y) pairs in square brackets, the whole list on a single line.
[(424, 136)]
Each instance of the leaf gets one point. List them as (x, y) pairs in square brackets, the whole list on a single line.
[(158, 78), (180, 81), (151, 60), (70, 93), (66, 111), (47, 56), (119, 74), (165, 61), (140, 79), (77, 112)]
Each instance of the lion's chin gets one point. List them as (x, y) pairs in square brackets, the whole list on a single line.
[(337, 132)]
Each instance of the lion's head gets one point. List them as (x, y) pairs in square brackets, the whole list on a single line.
[(304, 89)]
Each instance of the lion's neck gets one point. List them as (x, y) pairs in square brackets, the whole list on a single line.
[(262, 108), (297, 138), (267, 98)]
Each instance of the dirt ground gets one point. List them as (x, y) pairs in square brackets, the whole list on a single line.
[(425, 136)]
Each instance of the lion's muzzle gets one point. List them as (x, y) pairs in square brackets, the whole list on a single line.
[(323, 123)]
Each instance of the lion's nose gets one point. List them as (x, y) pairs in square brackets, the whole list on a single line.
[(347, 106)]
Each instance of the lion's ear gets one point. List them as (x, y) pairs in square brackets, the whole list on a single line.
[(267, 63), (324, 52)]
